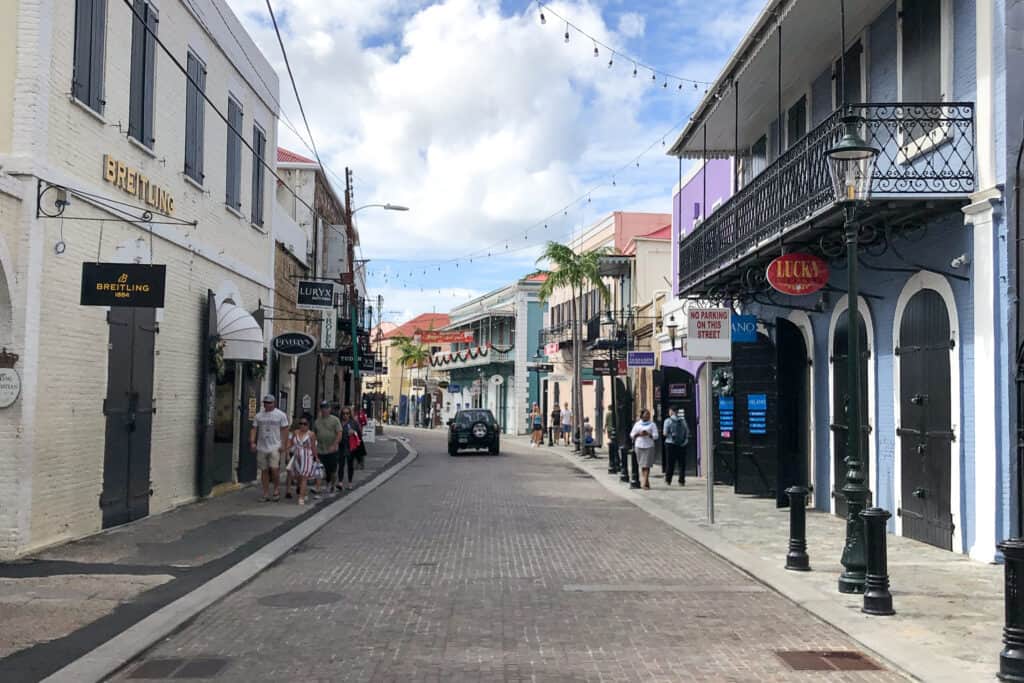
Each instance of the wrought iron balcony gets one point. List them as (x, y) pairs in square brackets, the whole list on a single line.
[(927, 151), (561, 332), (472, 357)]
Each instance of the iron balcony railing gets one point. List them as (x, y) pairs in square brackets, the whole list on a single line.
[(560, 332), (925, 149)]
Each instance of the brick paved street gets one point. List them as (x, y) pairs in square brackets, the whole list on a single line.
[(510, 568)]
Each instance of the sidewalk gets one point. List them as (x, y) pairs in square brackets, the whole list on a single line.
[(63, 602), (949, 608)]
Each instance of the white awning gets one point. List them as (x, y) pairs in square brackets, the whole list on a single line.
[(242, 335)]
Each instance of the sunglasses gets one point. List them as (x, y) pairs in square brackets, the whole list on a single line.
[(303, 424)]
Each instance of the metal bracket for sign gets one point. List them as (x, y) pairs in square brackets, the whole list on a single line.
[(128, 213), (307, 320)]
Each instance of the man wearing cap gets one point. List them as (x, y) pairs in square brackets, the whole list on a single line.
[(268, 437), (328, 432)]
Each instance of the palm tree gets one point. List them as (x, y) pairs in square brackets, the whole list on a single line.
[(410, 354), (574, 271)]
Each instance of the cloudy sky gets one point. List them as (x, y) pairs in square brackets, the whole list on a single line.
[(485, 122)]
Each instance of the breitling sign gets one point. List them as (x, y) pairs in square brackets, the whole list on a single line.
[(123, 284), (132, 181)]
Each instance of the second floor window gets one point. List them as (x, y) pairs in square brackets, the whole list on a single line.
[(259, 147), (233, 172), (143, 68), (90, 38), (195, 114)]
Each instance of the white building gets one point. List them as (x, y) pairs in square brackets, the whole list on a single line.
[(110, 153)]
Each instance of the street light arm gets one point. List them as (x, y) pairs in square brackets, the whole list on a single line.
[(386, 207)]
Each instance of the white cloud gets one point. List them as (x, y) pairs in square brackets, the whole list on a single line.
[(481, 123), (632, 25)]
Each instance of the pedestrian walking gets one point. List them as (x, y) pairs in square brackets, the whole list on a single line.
[(588, 437), (566, 424), (677, 436), (328, 432), (556, 425), (537, 424), (351, 440), (268, 437), (302, 446), (644, 435)]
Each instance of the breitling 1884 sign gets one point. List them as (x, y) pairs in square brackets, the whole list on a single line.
[(123, 284)]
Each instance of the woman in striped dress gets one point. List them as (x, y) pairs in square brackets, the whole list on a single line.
[(302, 445)]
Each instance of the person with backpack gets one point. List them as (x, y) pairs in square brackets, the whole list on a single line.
[(351, 442), (677, 436)]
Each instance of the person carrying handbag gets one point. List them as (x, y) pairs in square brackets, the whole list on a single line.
[(304, 460), (644, 435), (351, 442)]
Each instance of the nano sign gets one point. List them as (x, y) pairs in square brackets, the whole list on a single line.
[(797, 274), (744, 329)]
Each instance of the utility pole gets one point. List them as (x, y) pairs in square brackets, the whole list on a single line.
[(354, 374)]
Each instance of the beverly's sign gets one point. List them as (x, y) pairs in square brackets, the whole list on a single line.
[(293, 344), (131, 180), (797, 274)]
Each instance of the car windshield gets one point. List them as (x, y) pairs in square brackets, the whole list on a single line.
[(468, 417)]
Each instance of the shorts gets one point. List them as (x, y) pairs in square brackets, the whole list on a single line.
[(565, 429), (268, 460), (330, 462)]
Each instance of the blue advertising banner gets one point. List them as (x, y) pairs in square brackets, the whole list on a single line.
[(726, 416), (454, 388), (744, 328), (757, 413)]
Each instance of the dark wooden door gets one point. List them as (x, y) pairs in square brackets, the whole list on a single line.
[(793, 408), (755, 387), (723, 430), (128, 409), (841, 402), (679, 391), (624, 416), (926, 420)]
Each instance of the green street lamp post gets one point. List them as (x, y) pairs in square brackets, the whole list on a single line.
[(851, 164)]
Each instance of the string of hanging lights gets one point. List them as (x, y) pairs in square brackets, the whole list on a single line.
[(657, 75)]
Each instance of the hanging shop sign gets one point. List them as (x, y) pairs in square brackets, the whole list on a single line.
[(131, 180), (540, 367), (640, 359), (430, 337), (123, 284), (315, 295), (744, 329), (10, 380), (709, 334), (497, 380), (329, 330), (551, 349), (293, 344), (605, 367), (797, 274), (678, 391)]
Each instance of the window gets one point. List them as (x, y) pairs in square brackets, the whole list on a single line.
[(796, 122), (90, 34), (195, 113), (233, 176), (853, 80), (140, 103), (259, 151), (921, 51)]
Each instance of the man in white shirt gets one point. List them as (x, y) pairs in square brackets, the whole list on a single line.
[(567, 424), (269, 437)]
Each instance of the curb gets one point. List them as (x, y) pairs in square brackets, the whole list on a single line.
[(114, 654), (912, 660)]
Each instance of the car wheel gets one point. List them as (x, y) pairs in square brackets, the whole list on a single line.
[(452, 451)]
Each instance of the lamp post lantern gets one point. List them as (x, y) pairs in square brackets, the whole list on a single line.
[(851, 163), (671, 326)]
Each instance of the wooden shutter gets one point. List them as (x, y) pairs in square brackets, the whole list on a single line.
[(921, 27), (796, 121), (234, 155), (150, 74), (194, 118), (258, 144), (140, 107)]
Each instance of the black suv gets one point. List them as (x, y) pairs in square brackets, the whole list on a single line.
[(473, 429)]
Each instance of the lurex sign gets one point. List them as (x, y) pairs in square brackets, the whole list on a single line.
[(797, 274)]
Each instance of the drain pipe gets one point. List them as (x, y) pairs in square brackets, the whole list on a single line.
[(1019, 336)]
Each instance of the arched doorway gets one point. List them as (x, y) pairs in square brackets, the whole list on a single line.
[(794, 408), (840, 398), (927, 399), (677, 388)]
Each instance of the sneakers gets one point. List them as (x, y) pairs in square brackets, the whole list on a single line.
[(302, 501)]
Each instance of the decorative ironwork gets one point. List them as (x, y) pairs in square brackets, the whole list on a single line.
[(561, 332), (926, 149), (52, 201)]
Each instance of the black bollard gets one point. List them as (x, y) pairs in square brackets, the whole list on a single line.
[(877, 598), (1011, 659), (797, 559), (634, 482), (551, 440), (613, 462), (623, 464)]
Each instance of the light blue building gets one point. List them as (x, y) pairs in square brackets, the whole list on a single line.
[(937, 277), (492, 371)]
